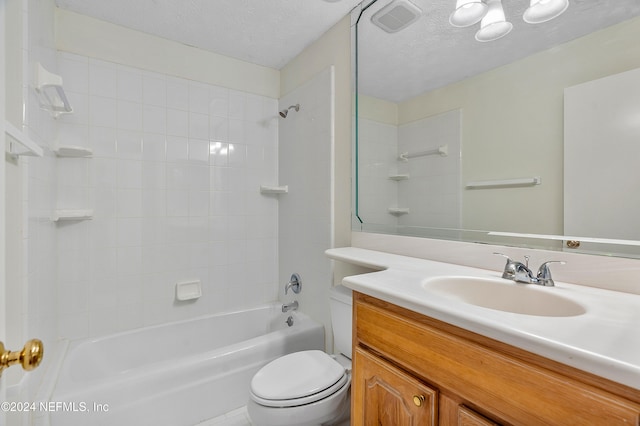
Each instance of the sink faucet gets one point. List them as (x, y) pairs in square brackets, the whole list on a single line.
[(520, 272), (286, 307)]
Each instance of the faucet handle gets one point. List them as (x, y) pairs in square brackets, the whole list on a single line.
[(295, 284), (510, 268), (544, 273)]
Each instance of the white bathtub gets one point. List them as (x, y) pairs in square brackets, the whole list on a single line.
[(174, 374)]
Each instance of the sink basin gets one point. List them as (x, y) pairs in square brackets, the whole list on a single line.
[(504, 295)]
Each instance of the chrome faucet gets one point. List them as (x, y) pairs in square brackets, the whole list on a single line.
[(295, 284), (520, 272), (293, 306)]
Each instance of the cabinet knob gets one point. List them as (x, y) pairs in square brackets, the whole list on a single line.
[(418, 400)]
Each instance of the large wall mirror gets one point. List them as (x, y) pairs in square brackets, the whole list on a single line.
[(532, 139)]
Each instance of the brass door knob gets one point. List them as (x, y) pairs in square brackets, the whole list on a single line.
[(29, 357), (418, 400)]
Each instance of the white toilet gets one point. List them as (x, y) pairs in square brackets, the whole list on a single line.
[(309, 387)]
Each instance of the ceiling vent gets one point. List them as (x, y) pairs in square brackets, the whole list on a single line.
[(396, 16)]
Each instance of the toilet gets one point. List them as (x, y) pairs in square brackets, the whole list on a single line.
[(308, 387)]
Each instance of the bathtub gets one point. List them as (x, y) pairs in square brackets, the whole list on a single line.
[(176, 374)]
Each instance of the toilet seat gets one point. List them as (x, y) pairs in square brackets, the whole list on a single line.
[(297, 379)]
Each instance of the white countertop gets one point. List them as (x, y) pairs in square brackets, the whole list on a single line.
[(605, 340)]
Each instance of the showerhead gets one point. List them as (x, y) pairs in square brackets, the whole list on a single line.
[(284, 112)]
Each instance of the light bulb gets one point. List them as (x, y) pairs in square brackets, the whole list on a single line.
[(493, 25), (544, 10), (468, 12)]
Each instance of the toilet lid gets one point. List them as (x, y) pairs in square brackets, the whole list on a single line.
[(297, 375)]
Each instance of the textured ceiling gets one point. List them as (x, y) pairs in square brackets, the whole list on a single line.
[(430, 53), (264, 32)]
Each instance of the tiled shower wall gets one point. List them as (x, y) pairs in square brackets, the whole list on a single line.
[(174, 185)]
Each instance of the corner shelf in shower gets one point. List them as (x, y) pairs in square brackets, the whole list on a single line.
[(73, 151), (268, 189), (399, 177), (398, 211), (19, 143), (72, 215)]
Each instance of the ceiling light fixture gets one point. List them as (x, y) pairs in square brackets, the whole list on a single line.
[(493, 25), (490, 14), (544, 10), (468, 12)]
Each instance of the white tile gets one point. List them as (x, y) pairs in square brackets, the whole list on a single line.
[(129, 144), (177, 122), (154, 89), (153, 175), (129, 115), (129, 261), (198, 176), (80, 104), (236, 104), (129, 203), (102, 111), (219, 102), (236, 131), (73, 326), (177, 176), (154, 203), (74, 71), (177, 149), (237, 155), (154, 147), (129, 84), (218, 128), (129, 174), (198, 98), (198, 126), (219, 154), (154, 119), (199, 204), (177, 94), (177, 203), (129, 232), (103, 141), (102, 78), (199, 150), (103, 173)]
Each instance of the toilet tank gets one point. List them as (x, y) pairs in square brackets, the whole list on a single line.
[(341, 303)]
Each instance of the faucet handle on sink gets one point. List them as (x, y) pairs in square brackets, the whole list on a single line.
[(511, 268), (544, 273)]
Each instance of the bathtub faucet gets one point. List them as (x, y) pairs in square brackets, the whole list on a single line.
[(286, 307)]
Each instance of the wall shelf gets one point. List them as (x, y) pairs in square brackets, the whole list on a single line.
[(73, 151), (504, 183), (399, 177), (72, 215), (19, 143), (398, 211), (442, 151), (50, 92), (267, 189)]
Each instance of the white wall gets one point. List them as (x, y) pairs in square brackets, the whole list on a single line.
[(174, 184)]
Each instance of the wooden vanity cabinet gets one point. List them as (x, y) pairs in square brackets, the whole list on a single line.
[(409, 369)]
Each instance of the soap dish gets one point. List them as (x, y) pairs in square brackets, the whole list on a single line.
[(188, 290)]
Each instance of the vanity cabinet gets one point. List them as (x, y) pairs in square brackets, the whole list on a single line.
[(412, 369)]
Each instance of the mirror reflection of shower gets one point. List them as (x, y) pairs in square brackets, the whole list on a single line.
[(284, 112)]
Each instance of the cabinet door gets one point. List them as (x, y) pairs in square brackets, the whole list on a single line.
[(468, 417), (384, 395)]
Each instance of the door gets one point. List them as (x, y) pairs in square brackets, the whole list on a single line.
[(3, 393), (384, 395)]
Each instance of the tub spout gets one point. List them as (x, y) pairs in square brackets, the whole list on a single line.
[(286, 307)]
